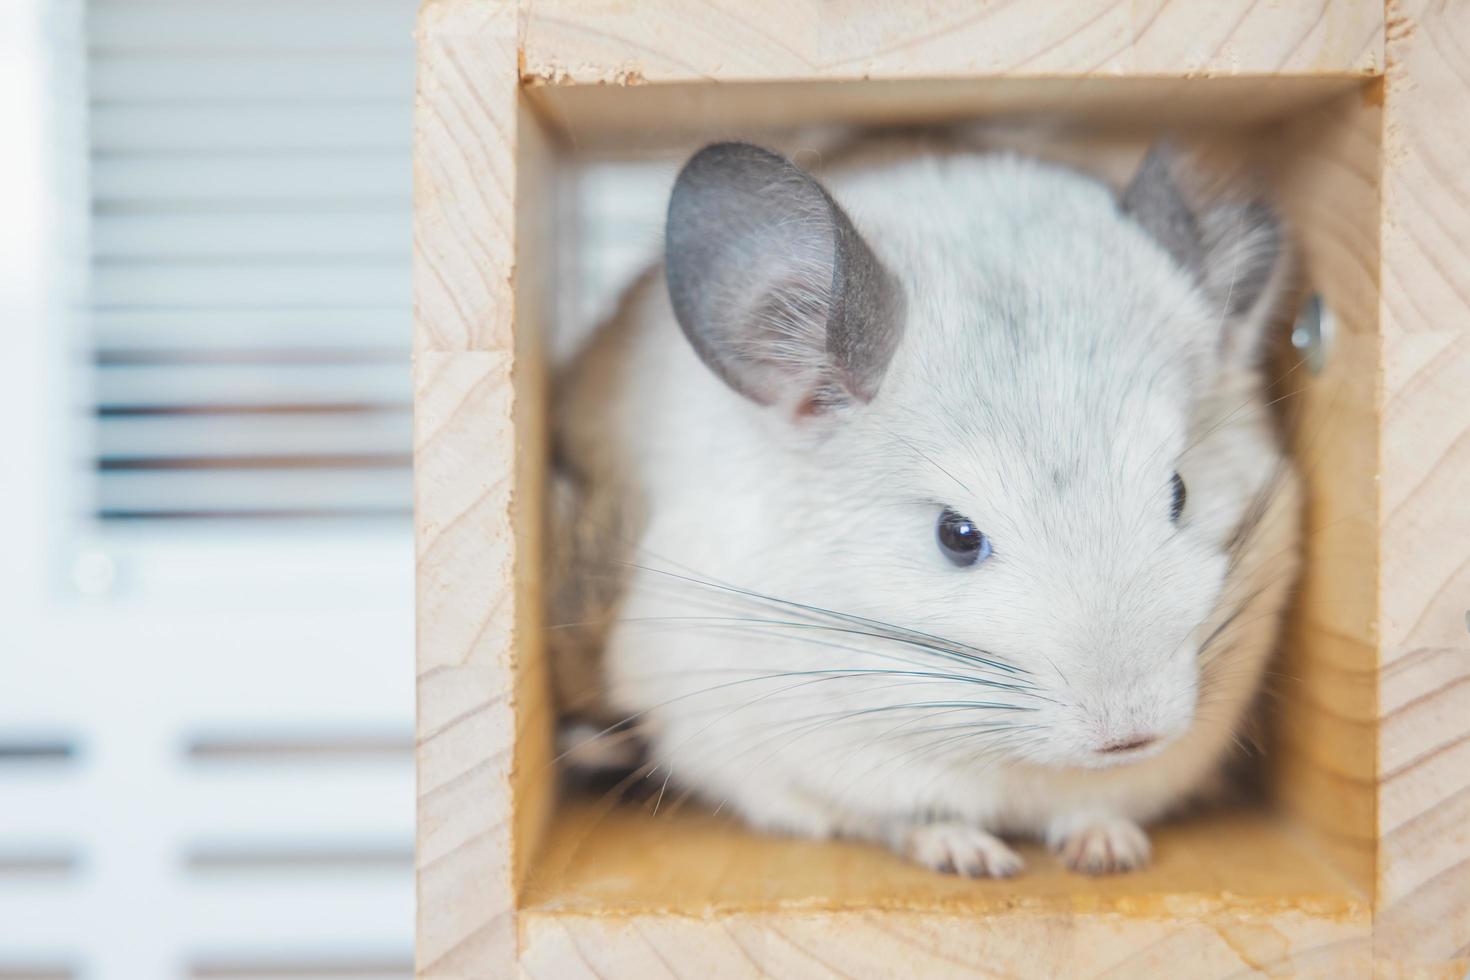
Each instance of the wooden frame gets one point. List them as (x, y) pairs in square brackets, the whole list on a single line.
[(1363, 864)]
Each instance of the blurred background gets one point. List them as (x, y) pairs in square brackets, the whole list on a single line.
[(205, 540)]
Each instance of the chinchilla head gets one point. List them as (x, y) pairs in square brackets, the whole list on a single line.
[(1020, 411)]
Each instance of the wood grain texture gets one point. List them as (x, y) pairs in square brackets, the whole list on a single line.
[(900, 943), (1324, 762), (1424, 726), (482, 722), (612, 41), (466, 724), (1375, 760), (623, 894), (464, 176), (640, 119)]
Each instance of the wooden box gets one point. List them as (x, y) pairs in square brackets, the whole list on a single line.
[(1358, 864)]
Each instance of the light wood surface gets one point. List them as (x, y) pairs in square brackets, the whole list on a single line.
[(473, 550), (1372, 772), (621, 893), (622, 859), (636, 120), (601, 42), (1423, 890), (1323, 760)]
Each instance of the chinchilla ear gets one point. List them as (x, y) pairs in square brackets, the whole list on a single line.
[(1235, 250), (774, 287)]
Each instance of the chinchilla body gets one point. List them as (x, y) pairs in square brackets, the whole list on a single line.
[(931, 499)]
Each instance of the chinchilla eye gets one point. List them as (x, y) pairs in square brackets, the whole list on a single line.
[(961, 541), (1177, 506)]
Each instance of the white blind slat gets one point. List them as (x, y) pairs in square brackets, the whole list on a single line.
[(224, 77), (361, 806), (213, 328), (293, 282), (309, 229), (262, 435), (250, 916), (331, 176), (256, 915), (245, 385), (255, 129), (261, 26), (251, 492)]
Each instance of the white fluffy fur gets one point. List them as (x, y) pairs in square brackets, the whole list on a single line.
[(1056, 369)]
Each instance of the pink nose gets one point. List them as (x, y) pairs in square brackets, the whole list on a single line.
[(1129, 744)]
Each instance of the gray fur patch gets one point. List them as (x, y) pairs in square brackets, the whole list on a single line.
[(1154, 201), (1232, 249)]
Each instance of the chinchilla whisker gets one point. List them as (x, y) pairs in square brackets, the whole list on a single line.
[(860, 713), (1235, 614), (994, 748), (810, 725), (846, 753), (917, 671), (756, 674), (717, 623), (905, 635), (952, 648), (1235, 416), (618, 727), (610, 799), (755, 677), (970, 727), (738, 622), (789, 632), (753, 701), (635, 716), (1307, 534), (1254, 518), (936, 747), (1003, 747), (935, 750), (996, 734), (926, 458), (820, 720), (904, 732), (909, 677), (898, 632), (1207, 654), (823, 720), (1234, 279), (796, 700)]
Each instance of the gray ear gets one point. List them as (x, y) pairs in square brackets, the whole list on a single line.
[(773, 286), (1234, 250)]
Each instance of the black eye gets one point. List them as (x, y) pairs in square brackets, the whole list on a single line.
[(961, 541), (1177, 506)]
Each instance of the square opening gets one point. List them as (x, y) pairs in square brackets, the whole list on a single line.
[(1309, 840)]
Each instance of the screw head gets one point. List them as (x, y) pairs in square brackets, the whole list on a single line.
[(1311, 334)]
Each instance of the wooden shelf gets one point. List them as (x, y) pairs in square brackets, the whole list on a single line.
[(1358, 868), (615, 885), (621, 860)]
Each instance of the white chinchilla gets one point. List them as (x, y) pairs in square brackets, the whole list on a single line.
[(930, 500)]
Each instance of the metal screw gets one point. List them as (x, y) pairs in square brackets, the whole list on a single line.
[(1312, 333)]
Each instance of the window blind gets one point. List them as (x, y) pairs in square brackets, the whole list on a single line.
[(217, 781), (250, 294)]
